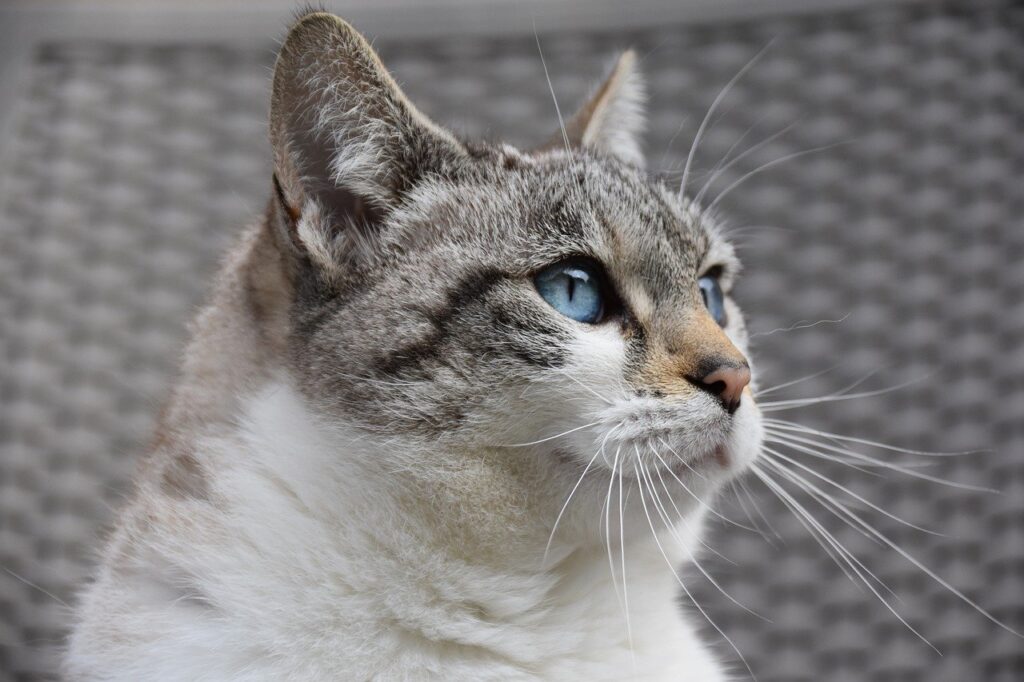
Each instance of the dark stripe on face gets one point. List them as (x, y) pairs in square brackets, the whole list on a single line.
[(316, 303), (413, 357), (543, 345), (636, 343)]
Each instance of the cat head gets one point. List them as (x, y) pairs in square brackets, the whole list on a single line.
[(555, 304)]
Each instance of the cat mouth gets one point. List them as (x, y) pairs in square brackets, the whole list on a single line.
[(718, 458)]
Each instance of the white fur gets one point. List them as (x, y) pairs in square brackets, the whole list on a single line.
[(309, 570)]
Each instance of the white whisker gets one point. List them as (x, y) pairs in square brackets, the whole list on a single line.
[(671, 141), (771, 164), (554, 528), (739, 485), (675, 575), (802, 324), (551, 87), (699, 501), (682, 519), (848, 555), (844, 455), (34, 586), (718, 172), (600, 397), (711, 111), (852, 560), (859, 498), (779, 405), (882, 464), (622, 556), (791, 426), (608, 526), (863, 467), (725, 161), (681, 460), (819, 538), (852, 518), (670, 527), (549, 438)]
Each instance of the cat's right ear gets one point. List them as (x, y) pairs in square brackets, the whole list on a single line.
[(612, 118), (347, 143)]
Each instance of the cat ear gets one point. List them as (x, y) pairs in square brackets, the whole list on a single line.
[(347, 143), (612, 119)]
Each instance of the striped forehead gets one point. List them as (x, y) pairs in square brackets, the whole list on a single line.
[(653, 245), (640, 231), (632, 219)]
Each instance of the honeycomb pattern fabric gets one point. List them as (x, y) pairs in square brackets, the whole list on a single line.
[(130, 168)]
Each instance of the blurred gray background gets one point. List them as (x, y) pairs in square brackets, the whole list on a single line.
[(133, 147)]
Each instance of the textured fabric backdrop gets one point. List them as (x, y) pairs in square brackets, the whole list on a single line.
[(132, 167)]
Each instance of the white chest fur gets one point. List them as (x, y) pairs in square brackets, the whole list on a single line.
[(304, 568)]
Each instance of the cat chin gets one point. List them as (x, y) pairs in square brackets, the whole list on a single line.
[(745, 439), (685, 487)]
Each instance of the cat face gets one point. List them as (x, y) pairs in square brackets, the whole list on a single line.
[(557, 302)]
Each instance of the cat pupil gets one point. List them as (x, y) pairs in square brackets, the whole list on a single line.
[(573, 289)]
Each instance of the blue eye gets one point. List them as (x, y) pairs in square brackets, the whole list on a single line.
[(574, 289), (714, 299)]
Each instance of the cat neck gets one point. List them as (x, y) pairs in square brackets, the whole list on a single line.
[(343, 513)]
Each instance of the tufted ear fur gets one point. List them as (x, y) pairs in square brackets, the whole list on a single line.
[(347, 143), (612, 118)]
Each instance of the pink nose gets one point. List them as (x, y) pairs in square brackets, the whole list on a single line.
[(726, 383)]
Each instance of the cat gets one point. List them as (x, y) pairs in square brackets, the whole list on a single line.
[(454, 411)]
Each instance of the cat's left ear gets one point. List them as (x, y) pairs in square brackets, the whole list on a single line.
[(612, 119), (348, 146)]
